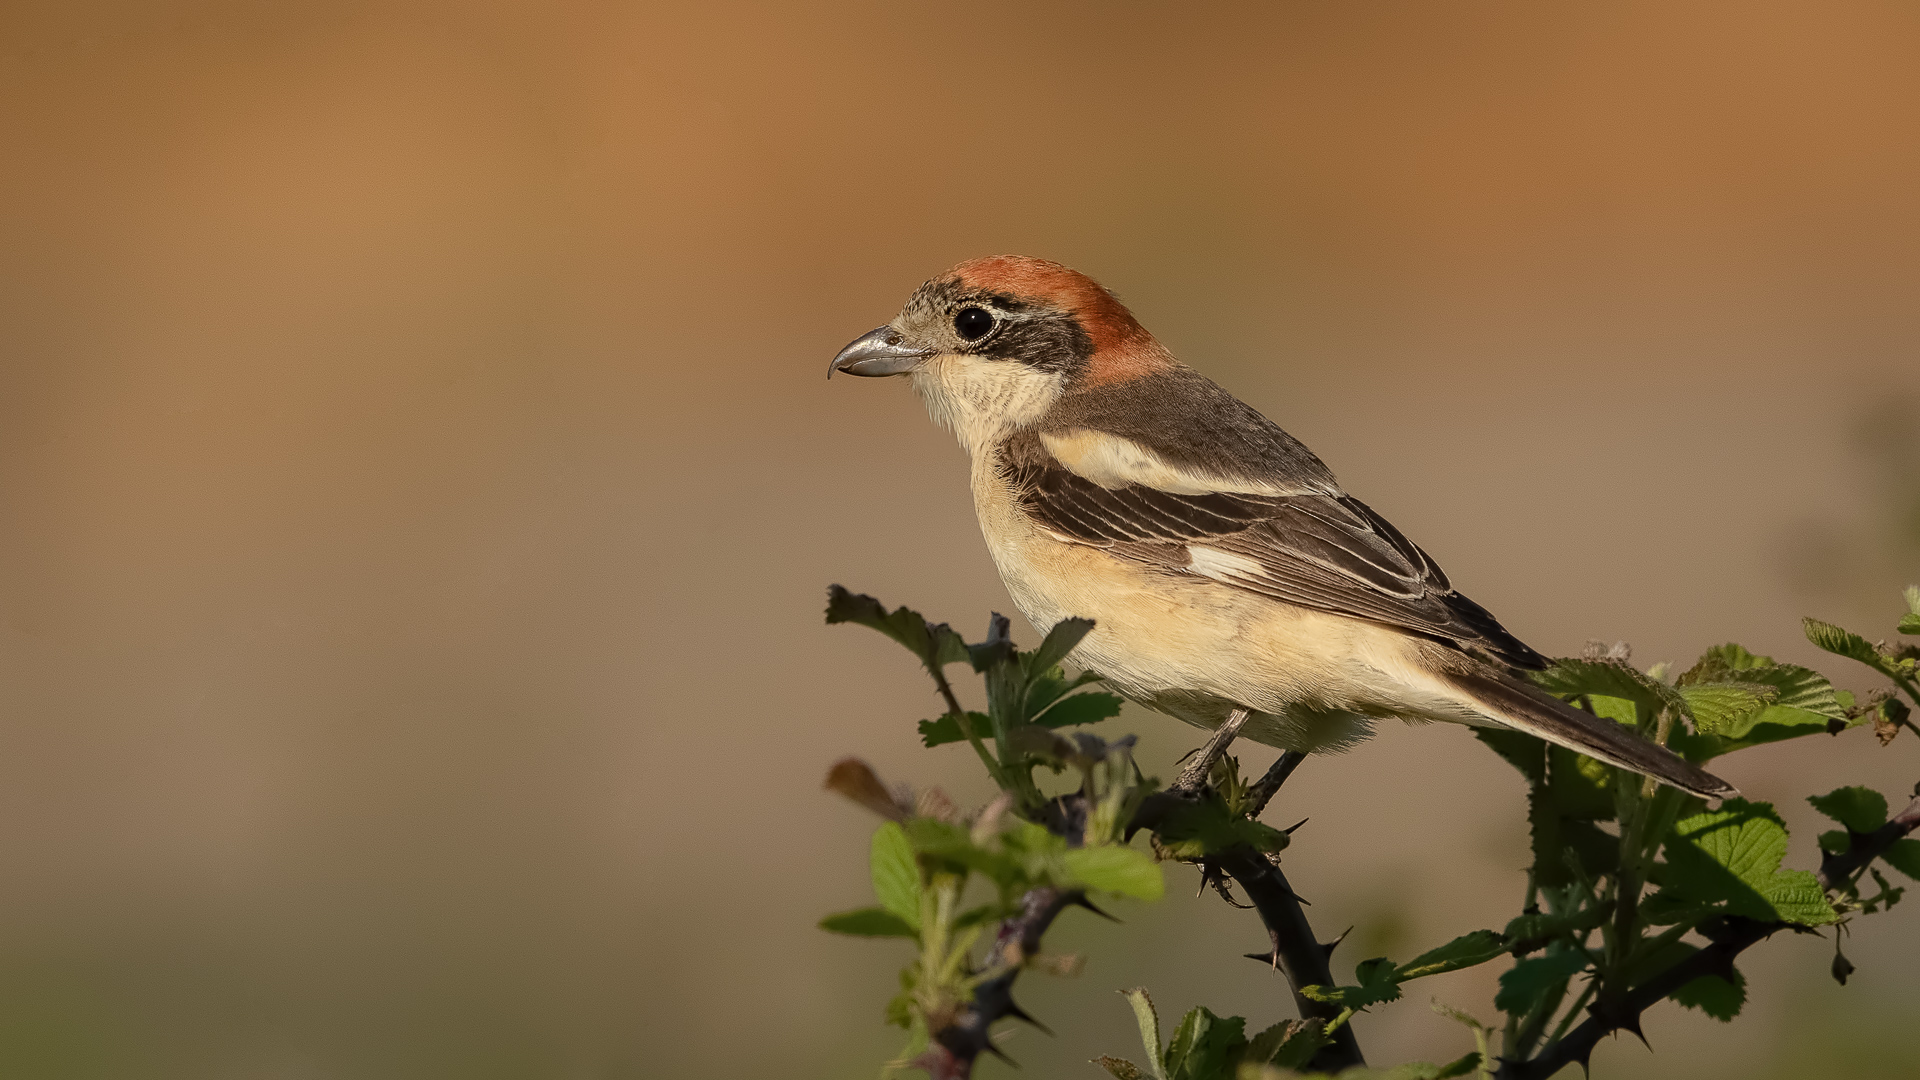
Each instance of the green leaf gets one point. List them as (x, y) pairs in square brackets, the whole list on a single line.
[(1289, 1044), (1058, 643), (1581, 786), (1540, 928), (1185, 1037), (1608, 678), (1840, 642), (1046, 687), (1910, 622), (1088, 708), (1149, 1021), (1207, 827), (1377, 984), (1527, 980), (1859, 809), (1731, 856), (1836, 841), (1904, 856), (1214, 1051), (947, 730), (1521, 750), (1727, 709), (1715, 996), (1464, 951), (935, 645), (1119, 870), (952, 844), (869, 922), (896, 876)]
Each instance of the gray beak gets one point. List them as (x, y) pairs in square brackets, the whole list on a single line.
[(877, 352)]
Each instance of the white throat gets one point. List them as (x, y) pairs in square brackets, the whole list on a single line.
[(984, 401)]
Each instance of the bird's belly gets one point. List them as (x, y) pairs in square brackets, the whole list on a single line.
[(1195, 648)]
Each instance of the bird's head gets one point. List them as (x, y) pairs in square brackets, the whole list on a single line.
[(994, 343)]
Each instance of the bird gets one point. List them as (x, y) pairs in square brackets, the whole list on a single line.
[(1227, 573)]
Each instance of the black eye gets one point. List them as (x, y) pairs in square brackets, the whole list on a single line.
[(972, 323)]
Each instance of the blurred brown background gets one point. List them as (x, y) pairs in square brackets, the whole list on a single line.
[(419, 482)]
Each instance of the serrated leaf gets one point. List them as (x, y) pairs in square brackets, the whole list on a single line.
[(1731, 856), (936, 645), (896, 875), (1376, 984), (1193, 830), (947, 730), (1607, 678), (1058, 643), (1148, 1019), (1859, 809), (1522, 751), (1904, 856), (1523, 984), (1840, 642), (1581, 787), (1727, 709), (1715, 996), (1214, 1051), (1088, 708), (869, 922), (1119, 870), (1185, 1036), (1835, 840), (1289, 1044), (1050, 686), (1464, 951)]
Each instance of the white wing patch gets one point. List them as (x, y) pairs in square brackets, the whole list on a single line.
[(1220, 565), (1114, 462)]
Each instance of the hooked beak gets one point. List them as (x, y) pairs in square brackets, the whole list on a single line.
[(877, 352)]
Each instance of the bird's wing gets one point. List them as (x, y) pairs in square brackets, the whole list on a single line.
[(1322, 550)]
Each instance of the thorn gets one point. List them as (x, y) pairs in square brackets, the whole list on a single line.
[(987, 1045), (1633, 1024), (1082, 901), (1270, 959), (1019, 1013), (1328, 947), (1289, 829)]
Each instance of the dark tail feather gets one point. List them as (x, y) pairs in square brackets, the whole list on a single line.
[(1525, 708)]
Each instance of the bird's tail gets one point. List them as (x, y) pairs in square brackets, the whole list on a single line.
[(1526, 708)]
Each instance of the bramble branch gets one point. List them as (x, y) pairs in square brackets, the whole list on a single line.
[(1732, 938)]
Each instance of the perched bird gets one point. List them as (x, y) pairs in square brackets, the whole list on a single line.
[(1222, 564)]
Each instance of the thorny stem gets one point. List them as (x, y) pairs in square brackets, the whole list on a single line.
[(1733, 937), (1265, 788), (1296, 951), (957, 1046)]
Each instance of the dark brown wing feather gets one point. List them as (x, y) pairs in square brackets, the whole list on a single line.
[(1328, 552)]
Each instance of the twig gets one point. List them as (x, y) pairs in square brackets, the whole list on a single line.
[(1195, 774), (1265, 788), (1296, 952), (955, 1047)]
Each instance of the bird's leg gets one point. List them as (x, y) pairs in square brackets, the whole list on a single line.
[(1194, 776), (1265, 788)]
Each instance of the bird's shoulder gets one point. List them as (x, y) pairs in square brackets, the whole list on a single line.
[(1177, 430)]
